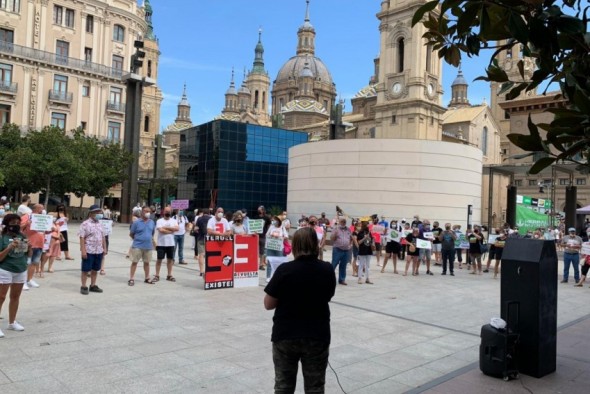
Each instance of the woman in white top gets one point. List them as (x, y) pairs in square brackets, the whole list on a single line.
[(237, 224), (274, 250), (62, 222)]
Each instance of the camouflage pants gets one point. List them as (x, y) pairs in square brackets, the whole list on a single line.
[(314, 361)]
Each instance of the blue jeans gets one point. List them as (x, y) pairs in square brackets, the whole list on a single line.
[(340, 257), (179, 245), (574, 259)]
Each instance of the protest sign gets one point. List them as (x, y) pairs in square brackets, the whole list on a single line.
[(41, 222), (394, 235), (219, 264), (107, 226), (274, 244), (377, 229), (246, 261), (179, 204), (423, 244), (255, 226), (428, 235), (492, 238), (585, 248)]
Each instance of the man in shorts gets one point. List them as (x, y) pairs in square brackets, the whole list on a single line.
[(93, 249), (166, 227), (202, 226), (142, 232)]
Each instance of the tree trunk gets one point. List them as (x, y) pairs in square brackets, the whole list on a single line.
[(48, 189)]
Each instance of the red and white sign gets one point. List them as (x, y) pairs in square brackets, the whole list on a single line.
[(246, 260), (219, 262)]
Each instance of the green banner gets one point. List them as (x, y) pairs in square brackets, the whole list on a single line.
[(527, 219)]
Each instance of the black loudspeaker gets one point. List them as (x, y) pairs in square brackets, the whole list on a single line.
[(571, 196), (511, 205), (529, 277)]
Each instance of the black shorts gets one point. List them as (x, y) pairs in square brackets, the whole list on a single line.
[(496, 254), (392, 247), (165, 251), (377, 246)]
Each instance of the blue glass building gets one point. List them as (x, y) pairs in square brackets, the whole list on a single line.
[(235, 165)]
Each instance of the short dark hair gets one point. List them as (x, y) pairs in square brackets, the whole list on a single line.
[(7, 219), (206, 211), (305, 243)]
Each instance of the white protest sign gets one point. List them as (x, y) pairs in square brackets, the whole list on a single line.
[(274, 244), (423, 244), (428, 235), (492, 238), (107, 226), (41, 222), (378, 229), (585, 248), (255, 226), (394, 235)]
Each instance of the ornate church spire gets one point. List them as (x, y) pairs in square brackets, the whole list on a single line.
[(258, 67), (306, 35), (147, 7)]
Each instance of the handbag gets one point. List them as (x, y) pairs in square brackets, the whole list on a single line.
[(483, 248), (286, 247), (412, 248)]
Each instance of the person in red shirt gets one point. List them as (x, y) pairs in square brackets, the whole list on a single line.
[(376, 237), (36, 240)]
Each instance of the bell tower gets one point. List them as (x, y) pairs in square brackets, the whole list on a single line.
[(410, 73)]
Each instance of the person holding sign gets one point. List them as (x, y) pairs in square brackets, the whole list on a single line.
[(426, 234), (392, 247), (413, 253), (300, 293), (447, 240), (36, 240), (571, 255), (275, 238), (366, 244), (499, 244), (475, 240)]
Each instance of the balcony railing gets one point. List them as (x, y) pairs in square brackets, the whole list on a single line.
[(8, 87), (115, 106), (59, 96), (59, 60)]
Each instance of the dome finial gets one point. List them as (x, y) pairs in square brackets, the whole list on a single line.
[(307, 11), (260, 35)]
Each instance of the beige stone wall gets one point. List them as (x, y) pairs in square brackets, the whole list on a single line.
[(397, 178)]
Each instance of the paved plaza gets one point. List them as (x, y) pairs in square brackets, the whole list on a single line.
[(402, 334)]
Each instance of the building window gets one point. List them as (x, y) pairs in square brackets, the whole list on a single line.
[(62, 50), (88, 55), (58, 14), (400, 55), (149, 69), (506, 115), (10, 5), (393, 119), (5, 74), (59, 120), (4, 114), (115, 96), (70, 18), (146, 124), (60, 84), (6, 35), (118, 62), (114, 132), (563, 181), (86, 89), (580, 181), (429, 58), (532, 182), (90, 24), (119, 33), (518, 182), (484, 141)]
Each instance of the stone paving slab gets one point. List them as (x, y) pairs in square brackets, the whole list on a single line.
[(417, 334)]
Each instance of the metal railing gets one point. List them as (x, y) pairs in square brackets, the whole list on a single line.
[(58, 95), (59, 60), (8, 87), (116, 106)]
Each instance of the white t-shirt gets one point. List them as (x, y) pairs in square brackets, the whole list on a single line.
[(165, 239), (182, 221), (63, 224), (220, 226)]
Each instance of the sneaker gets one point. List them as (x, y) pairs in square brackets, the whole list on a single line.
[(452, 274), (33, 284), (444, 273), (84, 290), (95, 289), (25, 286), (429, 273), (16, 326), (564, 281), (486, 271), (342, 283)]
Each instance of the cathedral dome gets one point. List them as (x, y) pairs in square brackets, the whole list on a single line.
[(304, 105), (459, 80), (294, 67)]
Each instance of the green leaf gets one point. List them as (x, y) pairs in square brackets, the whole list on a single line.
[(431, 5), (518, 27), (522, 156), (541, 164), (526, 142), (515, 92)]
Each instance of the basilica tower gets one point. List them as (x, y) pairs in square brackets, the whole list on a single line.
[(258, 82), (410, 74)]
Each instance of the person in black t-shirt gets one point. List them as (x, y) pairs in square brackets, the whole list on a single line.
[(202, 232), (412, 256), (475, 240), (300, 291)]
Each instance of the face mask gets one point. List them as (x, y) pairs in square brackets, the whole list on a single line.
[(275, 223), (238, 221), (219, 215), (167, 214), (146, 215), (98, 216), (2, 212), (43, 212), (447, 228), (13, 228)]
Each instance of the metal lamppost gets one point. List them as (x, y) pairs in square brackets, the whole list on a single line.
[(135, 84)]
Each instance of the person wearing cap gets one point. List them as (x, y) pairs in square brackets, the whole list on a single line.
[(572, 244), (93, 248)]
